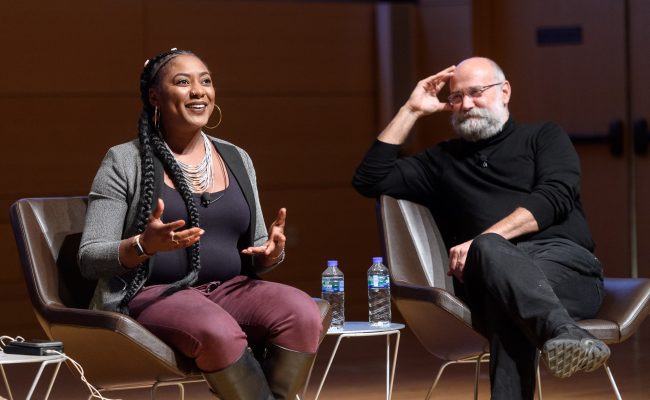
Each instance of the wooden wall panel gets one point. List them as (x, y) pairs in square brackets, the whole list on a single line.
[(16, 317), (557, 82), (640, 86), (440, 20), (273, 47), (56, 47), (53, 146), (301, 141), (10, 271), (603, 199)]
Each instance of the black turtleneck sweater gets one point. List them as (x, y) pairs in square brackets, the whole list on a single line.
[(469, 186)]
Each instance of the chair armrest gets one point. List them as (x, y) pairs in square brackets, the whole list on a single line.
[(110, 320), (441, 322), (627, 303), (325, 316), (110, 328), (104, 320), (437, 296)]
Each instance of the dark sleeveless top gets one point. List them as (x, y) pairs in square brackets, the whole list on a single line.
[(225, 222)]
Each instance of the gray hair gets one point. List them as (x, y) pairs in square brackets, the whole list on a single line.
[(499, 75)]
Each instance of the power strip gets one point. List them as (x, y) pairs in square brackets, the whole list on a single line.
[(33, 347)]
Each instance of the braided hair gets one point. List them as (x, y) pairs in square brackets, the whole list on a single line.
[(152, 144)]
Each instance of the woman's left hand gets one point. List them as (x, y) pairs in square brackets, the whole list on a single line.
[(273, 249)]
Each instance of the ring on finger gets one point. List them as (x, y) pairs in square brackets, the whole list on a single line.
[(174, 239)]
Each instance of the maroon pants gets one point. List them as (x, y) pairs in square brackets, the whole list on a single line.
[(214, 323)]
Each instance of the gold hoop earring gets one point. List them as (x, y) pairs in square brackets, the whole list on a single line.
[(220, 116), (156, 118)]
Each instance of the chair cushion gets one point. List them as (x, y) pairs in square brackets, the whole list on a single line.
[(626, 305)]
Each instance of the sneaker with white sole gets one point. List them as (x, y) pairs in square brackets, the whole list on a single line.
[(573, 349)]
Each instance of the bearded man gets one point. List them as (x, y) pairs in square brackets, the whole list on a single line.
[(506, 197)]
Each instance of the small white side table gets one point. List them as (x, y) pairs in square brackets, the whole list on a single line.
[(360, 329), (22, 359)]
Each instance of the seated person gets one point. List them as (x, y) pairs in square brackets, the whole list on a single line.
[(506, 197), (175, 235)]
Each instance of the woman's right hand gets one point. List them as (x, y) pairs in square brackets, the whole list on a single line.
[(160, 236)]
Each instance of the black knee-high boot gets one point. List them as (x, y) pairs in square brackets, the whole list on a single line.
[(242, 380), (286, 370)]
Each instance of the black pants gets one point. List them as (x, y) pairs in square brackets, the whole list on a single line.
[(519, 294)]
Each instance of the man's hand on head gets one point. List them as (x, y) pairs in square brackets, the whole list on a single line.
[(424, 98), (423, 101)]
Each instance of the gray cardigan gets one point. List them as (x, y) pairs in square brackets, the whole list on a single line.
[(112, 213)]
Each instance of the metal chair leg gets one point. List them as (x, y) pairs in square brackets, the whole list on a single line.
[(179, 385), (477, 372), (538, 377), (481, 358), (612, 381), (435, 382), (478, 359)]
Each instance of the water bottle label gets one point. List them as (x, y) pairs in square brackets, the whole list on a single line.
[(378, 281), (331, 286)]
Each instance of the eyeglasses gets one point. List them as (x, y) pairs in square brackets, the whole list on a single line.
[(474, 92)]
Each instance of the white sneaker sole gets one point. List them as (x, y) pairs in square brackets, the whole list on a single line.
[(565, 357)]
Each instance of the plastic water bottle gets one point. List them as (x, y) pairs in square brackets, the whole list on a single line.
[(378, 293), (333, 290)]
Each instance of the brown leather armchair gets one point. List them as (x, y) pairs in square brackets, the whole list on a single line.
[(115, 351), (424, 294), (422, 291)]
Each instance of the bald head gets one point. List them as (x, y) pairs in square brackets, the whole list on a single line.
[(476, 69)]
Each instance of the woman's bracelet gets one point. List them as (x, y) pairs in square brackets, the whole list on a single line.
[(279, 258), (139, 250)]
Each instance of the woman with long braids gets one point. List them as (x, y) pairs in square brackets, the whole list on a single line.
[(175, 236)]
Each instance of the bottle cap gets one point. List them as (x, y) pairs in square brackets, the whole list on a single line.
[(332, 263), (376, 260)]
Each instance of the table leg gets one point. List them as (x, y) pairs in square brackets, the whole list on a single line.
[(38, 377), (390, 370), (389, 384), (54, 375), (4, 377), (388, 367)]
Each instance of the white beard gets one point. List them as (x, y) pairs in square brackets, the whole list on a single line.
[(479, 123)]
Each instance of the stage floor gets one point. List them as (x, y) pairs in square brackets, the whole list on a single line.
[(358, 374)]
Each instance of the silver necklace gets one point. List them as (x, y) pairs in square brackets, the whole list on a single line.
[(206, 198), (198, 177)]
